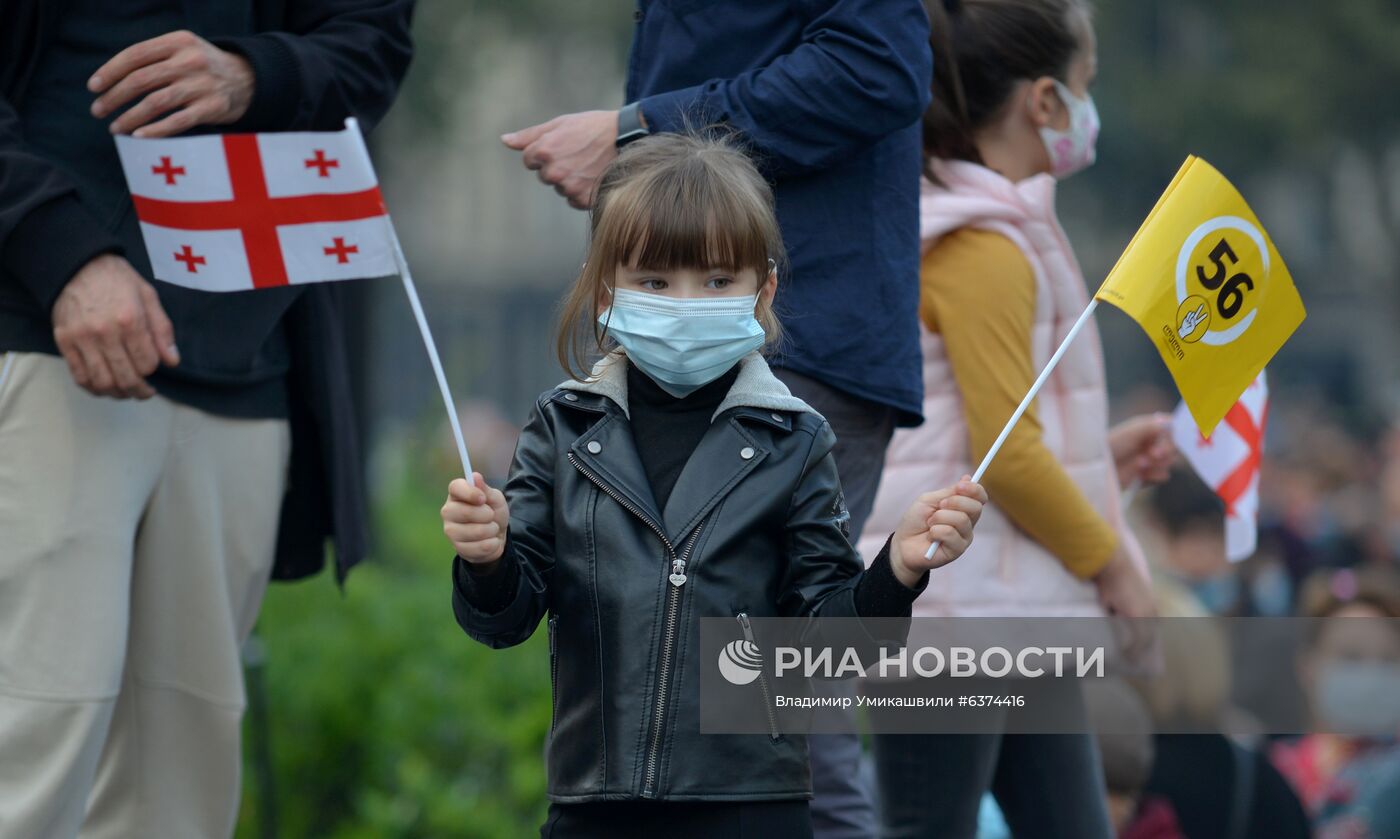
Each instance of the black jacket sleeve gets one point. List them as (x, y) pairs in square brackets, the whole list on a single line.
[(503, 620), (46, 234), (825, 578), (330, 59)]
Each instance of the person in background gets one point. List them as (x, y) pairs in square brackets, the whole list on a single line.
[(1350, 672), (1123, 733), (1219, 787), (163, 451), (1186, 540), (1011, 114), (827, 95)]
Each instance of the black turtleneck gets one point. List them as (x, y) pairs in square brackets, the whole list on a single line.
[(667, 429)]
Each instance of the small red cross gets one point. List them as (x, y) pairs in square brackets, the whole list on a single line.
[(190, 260), (320, 162), (341, 251), (167, 170)]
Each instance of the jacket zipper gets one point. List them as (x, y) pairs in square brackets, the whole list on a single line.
[(677, 578), (743, 618), (553, 673)]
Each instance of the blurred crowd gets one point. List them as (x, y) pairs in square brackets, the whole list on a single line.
[(1329, 550)]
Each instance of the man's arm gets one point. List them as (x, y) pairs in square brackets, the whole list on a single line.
[(108, 324), (332, 59), (863, 70), (46, 234)]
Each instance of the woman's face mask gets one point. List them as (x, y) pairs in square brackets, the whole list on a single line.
[(1220, 594), (1359, 697), (683, 343), (1072, 150)]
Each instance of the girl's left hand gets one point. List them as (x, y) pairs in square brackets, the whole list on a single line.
[(946, 517), (1143, 450)]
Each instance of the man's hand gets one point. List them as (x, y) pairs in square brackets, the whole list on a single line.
[(946, 517), (111, 329), (1142, 449), (569, 152), (474, 519), (179, 74)]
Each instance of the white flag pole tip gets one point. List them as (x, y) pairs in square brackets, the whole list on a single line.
[(412, 291), (1026, 402)]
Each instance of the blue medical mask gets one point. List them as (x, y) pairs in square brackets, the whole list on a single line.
[(1271, 592), (1359, 697), (683, 343), (1219, 594)]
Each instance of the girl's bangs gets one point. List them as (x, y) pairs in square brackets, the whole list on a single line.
[(684, 228)]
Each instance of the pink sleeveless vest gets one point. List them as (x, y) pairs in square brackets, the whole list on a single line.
[(1005, 572)]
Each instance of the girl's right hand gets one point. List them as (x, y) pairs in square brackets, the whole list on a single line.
[(474, 519)]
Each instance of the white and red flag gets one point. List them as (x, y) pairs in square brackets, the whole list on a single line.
[(1229, 460), (238, 212), (235, 212)]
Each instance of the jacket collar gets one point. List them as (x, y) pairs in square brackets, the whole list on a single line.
[(725, 455), (755, 386)]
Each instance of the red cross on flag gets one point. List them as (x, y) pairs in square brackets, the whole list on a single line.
[(1228, 461), (234, 212)]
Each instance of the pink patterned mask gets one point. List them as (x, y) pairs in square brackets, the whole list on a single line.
[(1073, 150)]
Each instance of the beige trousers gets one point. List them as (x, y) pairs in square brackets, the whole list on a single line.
[(136, 541)]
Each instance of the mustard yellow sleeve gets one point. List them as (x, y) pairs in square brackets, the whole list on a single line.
[(978, 292)]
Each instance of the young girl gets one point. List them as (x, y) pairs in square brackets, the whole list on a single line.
[(1000, 288), (681, 480)]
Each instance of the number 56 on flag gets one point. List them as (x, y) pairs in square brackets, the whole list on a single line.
[(1204, 280)]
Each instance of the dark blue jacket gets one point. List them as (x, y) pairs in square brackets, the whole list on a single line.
[(829, 93)]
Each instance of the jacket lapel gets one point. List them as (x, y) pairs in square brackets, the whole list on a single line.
[(608, 451), (714, 468)]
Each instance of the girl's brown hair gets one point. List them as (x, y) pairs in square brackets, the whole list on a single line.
[(981, 49), (671, 201)]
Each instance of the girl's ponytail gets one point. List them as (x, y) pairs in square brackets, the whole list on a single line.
[(947, 129), (981, 49)]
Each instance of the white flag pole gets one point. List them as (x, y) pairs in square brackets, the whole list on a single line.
[(417, 305), (1026, 403)]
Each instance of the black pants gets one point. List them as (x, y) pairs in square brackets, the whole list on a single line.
[(679, 820), (843, 807), (1049, 786)]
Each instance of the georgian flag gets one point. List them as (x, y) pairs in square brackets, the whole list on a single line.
[(1228, 461), (234, 212)]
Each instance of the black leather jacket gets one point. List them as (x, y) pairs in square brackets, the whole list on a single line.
[(756, 525)]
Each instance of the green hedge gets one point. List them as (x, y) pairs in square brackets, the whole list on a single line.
[(384, 719)]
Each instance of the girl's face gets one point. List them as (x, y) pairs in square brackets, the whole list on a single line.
[(697, 282)]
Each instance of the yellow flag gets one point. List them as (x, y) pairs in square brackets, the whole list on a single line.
[(1204, 280)]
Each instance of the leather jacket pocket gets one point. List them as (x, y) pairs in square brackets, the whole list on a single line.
[(553, 672), (743, 618)]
